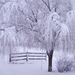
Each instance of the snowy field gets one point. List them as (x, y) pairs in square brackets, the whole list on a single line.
[(30, 68)]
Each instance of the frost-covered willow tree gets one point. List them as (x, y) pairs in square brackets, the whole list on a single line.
[(7, 40), (70, 21), (12, 21), (55, 36)]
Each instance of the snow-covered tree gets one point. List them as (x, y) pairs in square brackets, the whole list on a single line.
[(54, 34)]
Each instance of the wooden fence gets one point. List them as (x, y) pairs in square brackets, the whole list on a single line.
[(27, 56)]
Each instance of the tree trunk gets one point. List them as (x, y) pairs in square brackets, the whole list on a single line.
[(50, 55)]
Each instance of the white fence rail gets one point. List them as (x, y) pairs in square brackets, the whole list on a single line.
[(27, 56)]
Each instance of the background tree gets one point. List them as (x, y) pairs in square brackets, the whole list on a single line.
[(59, 6)]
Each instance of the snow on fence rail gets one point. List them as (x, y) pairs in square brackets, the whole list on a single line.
[(27, 56)]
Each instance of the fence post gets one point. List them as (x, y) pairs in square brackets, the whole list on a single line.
[(27, 56), (9, 57)]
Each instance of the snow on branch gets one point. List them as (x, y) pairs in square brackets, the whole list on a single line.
[(55, 31)]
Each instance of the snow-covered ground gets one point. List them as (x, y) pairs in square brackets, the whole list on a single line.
[(30, 68)]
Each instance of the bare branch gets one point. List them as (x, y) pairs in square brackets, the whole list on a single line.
[(48, 5), (17, 30), (31, 19), (21, 11), (2, 29), (44, 2), (26, 1), (35, 16), (33, 30)]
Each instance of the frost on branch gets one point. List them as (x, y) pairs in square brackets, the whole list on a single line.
[(56, 33)]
